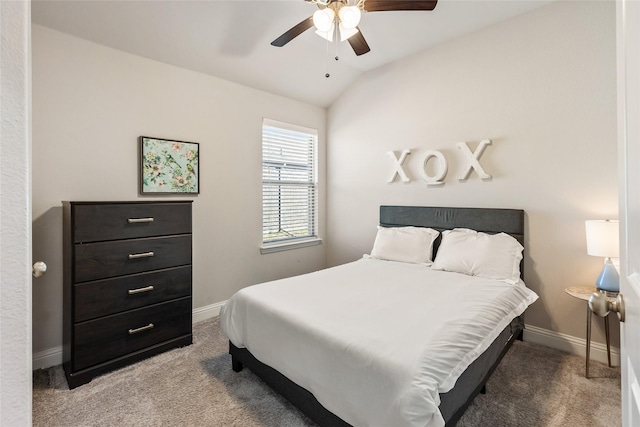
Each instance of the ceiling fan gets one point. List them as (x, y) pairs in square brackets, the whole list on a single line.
[(339, 19)]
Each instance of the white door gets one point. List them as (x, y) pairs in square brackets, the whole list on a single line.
[(628, 29)]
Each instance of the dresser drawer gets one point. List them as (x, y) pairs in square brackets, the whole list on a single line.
[(100, 260), (110, 296), (100, 340), (95, 222)]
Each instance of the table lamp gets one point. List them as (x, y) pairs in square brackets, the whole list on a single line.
[(603, 240)]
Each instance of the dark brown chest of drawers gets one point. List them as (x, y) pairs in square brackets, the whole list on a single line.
[(127, 283)]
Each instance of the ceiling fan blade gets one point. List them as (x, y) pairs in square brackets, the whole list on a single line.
[(386, 5), (358, 43), (293, 32)]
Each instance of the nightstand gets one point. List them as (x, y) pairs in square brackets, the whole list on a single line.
[(583, 293)]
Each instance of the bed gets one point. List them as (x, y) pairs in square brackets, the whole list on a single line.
[(366, 343)]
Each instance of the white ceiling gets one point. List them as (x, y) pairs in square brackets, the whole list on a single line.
[(231, 39)]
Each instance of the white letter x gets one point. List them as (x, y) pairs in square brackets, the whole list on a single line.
[(397, 163), (473, 159)]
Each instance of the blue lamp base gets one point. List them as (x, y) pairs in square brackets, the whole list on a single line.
[(608, 280)]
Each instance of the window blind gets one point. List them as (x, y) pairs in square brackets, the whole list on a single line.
[(288, 182)]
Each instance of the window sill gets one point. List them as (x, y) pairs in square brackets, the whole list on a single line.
[(286, 246)]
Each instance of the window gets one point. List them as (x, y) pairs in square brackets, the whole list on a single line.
[(288, 186)]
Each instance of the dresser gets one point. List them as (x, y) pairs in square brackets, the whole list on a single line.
[(127, 283)]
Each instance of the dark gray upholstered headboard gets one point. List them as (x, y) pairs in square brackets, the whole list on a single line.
[(487, 220)]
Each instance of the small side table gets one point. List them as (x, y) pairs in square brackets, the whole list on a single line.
[(583, 293)]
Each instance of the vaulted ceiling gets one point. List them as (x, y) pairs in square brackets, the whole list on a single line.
[(231, 39)]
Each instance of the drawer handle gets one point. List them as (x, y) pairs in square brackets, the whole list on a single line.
[(138, 220), (140, 290), (144, 328), (142, 255)]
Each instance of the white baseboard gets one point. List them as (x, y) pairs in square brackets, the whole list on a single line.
[(47, 358), (53, 356), (207, 312), (570, 344), (563, 342)]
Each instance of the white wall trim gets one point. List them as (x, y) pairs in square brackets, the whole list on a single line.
[(207, 312), (47, 358), (570, 344), (53, 356)]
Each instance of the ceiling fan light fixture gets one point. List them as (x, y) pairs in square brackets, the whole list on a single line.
[(345, 33), (323, 19), (327, 35), (349, 17), (335, 16)]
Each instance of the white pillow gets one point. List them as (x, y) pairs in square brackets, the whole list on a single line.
[(405, 244), (492, 256)]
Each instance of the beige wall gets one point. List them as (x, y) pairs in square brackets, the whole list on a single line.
[(542, 86), (90, 103)]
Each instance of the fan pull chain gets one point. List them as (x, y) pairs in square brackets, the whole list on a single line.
[(337, 40), (327, 75), (336, 35)]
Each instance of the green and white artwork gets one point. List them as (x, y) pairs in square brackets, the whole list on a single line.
[(168, 166)]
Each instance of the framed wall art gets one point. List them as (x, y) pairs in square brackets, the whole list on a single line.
[(169, 166)]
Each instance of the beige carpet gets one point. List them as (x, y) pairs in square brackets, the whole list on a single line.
[(195, 386)]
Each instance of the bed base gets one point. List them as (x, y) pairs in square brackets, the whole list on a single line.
[(300, 397), (473, 380), (453, 404)]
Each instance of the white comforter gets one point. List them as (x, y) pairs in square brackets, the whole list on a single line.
[(374, 341)]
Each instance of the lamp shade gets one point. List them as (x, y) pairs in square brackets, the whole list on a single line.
[(327, 34), (345, 33), (602, 238), (323, 19), (349, 17)]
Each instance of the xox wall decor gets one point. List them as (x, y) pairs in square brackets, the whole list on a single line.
[(472, 158), (169, 166)]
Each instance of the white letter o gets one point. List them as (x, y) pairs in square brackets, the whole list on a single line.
[(437, 179)]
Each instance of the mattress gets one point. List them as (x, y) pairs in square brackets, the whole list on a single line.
[(374, 341)]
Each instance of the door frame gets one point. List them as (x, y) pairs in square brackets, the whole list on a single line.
[(15, 213), (628, 82)]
